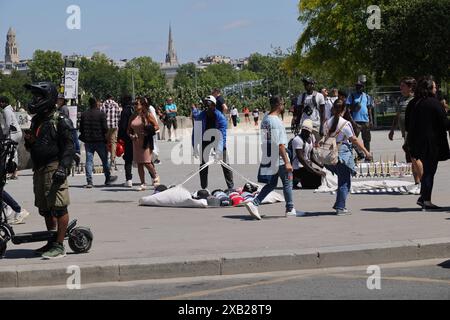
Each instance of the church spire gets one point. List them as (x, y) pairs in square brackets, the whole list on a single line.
[(171, 57)]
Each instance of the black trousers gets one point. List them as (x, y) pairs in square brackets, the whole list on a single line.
[(429, 171), (228, 174), (234, 118), (308, 179), (128, 157)]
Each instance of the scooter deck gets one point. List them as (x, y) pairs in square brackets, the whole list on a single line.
[(34, 237)]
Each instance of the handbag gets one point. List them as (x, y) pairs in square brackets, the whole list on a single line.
[(327, 150)]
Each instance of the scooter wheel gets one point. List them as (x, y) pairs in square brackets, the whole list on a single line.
[(80, 240)]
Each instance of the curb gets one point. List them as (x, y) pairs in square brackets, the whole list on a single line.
[(228, 264)]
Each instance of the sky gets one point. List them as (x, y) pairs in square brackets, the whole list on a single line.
[(127, 29)]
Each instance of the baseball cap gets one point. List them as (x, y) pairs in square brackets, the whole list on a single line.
[(308, 125)]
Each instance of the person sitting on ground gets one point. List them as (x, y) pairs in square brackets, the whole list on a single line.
[(303, 146)]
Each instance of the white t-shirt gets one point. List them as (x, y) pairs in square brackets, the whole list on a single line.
[(329, 102), (255, 114), (234, 112), (346, 131), (315, 116), (299, 144)]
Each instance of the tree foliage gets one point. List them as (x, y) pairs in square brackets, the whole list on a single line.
[(46, 66), (414, 40)]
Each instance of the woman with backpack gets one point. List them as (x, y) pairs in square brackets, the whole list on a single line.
[(340, 129)]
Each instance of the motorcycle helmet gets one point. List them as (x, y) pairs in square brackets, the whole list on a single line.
[(45, 96)]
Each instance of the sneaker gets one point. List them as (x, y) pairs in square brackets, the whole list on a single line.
[(292, 213), (89, 186), (44, 249), (253, 210), (342, 212), (157, 161), (143, 187), (20, 216), (420, 203), (128, 184), (110, 180), (415, 190), (57, 251), (156, 181)]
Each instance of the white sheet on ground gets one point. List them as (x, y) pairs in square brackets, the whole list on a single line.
[(330, 184), (179, 197)]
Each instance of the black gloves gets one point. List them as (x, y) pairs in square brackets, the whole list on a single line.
[(60, 176)]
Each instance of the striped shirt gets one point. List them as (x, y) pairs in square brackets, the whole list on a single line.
[(113, 111)]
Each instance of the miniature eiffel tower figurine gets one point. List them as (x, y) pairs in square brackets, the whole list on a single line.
[(382, 167), (395, 160), (368, 171), (388, 173), (361, 175), (376, 170)]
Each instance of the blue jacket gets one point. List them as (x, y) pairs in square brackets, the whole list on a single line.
[(221, 125)]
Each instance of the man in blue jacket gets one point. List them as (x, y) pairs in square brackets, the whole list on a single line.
[(213, 125)]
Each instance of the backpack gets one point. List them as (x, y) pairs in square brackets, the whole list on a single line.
[(314, 99), (327, 151)]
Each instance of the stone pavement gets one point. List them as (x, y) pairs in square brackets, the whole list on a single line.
[(161, 242)]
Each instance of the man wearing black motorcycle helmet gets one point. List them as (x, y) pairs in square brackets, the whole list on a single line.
[(310, 105), (50, 144)]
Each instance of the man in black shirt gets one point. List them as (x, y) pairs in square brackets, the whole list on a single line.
[(221, 105)]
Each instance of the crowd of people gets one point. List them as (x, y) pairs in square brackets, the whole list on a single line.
[(326, 130)]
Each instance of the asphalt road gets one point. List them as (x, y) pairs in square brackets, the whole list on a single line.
[(413, 280)]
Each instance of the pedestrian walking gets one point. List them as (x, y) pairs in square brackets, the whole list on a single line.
[(234, 116), (10, 128), (276, 163), (93, 132), (127, 112), (427, 126), (141, 129), (112, 111), (255, 114), (407, 88), (342, 130)]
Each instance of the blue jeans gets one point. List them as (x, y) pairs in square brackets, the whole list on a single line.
[(11, 202), (102, 151), (287, 188), (76, 142), (344, 184)]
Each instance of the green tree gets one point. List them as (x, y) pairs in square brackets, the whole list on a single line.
[(146, 73), (47, 66), (12, 86), (186, 76), (335, 41), (99, 77), (413, 40)]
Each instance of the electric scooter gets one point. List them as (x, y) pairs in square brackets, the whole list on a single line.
[(80, 238)]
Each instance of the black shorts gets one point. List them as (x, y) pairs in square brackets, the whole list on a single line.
[(172, 122)]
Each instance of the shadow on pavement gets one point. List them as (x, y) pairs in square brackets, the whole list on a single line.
[(21, 254), (392, 210), (249, 218), (400, 210), (318, 214), (114, 201), (445, 265)]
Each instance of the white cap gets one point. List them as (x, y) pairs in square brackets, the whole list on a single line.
[(308, 125), (212, 99)]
